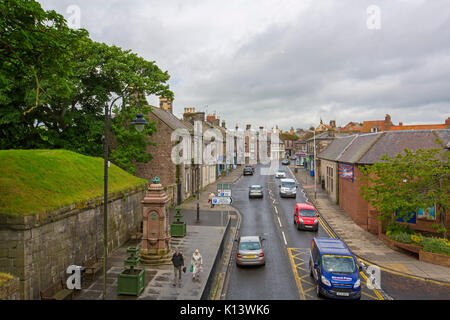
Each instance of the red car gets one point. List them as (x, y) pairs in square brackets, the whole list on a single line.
[(306, 217)]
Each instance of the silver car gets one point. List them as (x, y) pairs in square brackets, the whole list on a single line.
[(250, 251)]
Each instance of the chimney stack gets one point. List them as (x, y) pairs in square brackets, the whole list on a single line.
[(165, 104)]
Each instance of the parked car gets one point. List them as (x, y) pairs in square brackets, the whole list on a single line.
[(306, 217), (335, 269), (255, 191), (248, 171), (250, 251), (280, 174), (288, 188), (285, 162)]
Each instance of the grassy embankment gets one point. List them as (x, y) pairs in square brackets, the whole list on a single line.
[(36, 181)]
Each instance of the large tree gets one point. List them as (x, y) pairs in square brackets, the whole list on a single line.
[(57, 82), (409, 181)]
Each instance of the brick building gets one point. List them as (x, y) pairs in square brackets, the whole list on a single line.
[(343, 158)]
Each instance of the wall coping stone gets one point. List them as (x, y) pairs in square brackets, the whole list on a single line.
[(39, 219)]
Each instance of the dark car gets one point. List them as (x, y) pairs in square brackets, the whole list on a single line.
[(285, 162), (248, 171)]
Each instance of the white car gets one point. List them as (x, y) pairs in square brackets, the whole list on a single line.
[(280, 174), (288, 188)]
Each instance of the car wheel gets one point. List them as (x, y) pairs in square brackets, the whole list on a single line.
[(298, 226), (310, 271), (318, 291)]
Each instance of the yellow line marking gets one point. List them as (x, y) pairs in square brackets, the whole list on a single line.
[(369, 295), (378, 294), (406, 275), (297, 278)]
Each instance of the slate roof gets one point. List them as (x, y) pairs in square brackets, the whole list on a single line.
[(336, 148), (394, 142), (169, 119), (359, 146)]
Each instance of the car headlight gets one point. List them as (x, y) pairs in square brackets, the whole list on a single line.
[(300, 220), (357, 284), (325, 281)]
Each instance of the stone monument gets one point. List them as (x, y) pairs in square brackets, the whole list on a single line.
[(155, 247)]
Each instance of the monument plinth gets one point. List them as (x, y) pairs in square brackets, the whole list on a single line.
[(155, 246)]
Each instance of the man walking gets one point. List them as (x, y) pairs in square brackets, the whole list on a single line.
[(178, 264)]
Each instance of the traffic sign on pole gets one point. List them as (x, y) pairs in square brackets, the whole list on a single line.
[(222, 200)]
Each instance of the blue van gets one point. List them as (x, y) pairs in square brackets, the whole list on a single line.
[(335, 269)]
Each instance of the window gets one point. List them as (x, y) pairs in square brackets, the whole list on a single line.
[(338, 264)]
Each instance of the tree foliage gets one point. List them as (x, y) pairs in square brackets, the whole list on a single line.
[(407, 182), (55, 83)]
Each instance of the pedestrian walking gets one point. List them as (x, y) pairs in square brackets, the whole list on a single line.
[(210, 198), (178, 264), (196, 264)]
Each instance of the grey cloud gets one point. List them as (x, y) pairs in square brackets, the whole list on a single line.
[(293, 65)]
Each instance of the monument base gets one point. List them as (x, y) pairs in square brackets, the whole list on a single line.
[(156, 256)]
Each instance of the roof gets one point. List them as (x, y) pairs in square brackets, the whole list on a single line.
[(305, 206), (394, 142), (287, 180), (332, 246), (358, 147), (250, 239), (169, 119), (335, 148)]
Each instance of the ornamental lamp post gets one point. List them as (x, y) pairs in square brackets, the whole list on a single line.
[(139, 123), (314, 162)]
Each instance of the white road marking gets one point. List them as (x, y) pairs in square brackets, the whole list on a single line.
[(284, 237), (279, 222), (276, 210)]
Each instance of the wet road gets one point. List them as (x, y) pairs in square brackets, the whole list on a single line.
[(286, 273)]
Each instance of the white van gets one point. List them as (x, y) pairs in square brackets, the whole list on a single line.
[(288, 188)]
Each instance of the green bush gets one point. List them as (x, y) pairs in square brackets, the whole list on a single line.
[(394, 227), (436, 245), (400, 237)]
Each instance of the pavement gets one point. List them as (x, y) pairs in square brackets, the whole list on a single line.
[(366, 246), (213, 234)]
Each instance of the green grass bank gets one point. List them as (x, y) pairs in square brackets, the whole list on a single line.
[(36, 181)]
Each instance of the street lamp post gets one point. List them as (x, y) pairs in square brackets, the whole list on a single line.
[(314, 162), (139, 124)]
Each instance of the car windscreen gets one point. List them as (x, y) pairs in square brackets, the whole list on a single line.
[(338, 264), (280, 171), (307, 213), (288, 184), (255, 188), (249, 246)]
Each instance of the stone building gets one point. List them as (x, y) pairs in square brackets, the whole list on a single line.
[(176, 178)]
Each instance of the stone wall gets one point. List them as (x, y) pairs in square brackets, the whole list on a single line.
[(10, 290), (38, 250)]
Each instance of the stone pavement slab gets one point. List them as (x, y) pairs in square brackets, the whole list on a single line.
[(159, 279), (366, 245)]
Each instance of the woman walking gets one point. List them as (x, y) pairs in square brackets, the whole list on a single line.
[(196, 263)]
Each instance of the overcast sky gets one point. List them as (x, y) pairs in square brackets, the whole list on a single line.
[(287, 62)]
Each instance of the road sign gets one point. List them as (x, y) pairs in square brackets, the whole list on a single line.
[(224, 193), (224, 189), (222, 200)]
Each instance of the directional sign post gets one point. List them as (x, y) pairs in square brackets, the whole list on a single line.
[(223, 197), (222, 200)]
